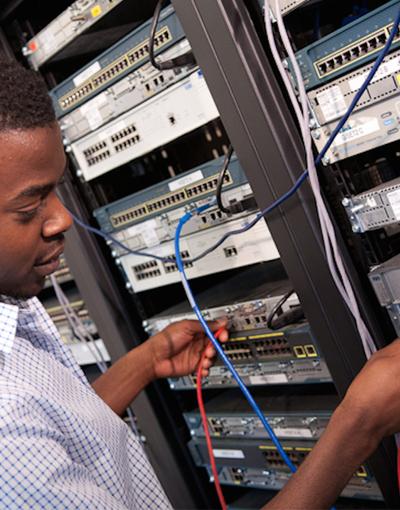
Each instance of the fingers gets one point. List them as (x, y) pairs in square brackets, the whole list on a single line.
[(224, 336), (207, 363), (218, 324), (195, 327), (210, 351)]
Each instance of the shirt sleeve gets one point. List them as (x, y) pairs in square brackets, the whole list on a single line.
[(36, 469)]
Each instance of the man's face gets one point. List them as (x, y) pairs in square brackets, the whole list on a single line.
[(32, 219)]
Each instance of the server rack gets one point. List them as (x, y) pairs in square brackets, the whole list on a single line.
[(229, 46)]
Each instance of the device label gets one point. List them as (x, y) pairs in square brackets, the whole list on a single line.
[(348, 133), (394, 201), (87, 73), (268, 379), (91, 111), (184, 181), (385, 69), (149, 233), (228, 454), (292, 432), (332, 103)]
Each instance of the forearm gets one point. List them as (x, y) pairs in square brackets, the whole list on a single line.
[(345, 445), (119, 386)]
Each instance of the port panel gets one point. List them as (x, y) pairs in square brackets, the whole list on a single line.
[(171, 114), (122, 58), (349, 47)]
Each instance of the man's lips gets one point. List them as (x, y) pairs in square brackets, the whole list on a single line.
[(50, 264), (50, 258)]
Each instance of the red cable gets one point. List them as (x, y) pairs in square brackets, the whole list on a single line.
[(205, 425)]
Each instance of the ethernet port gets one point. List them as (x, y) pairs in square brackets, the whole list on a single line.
[(230, 251), (363, 48), (322, 69), (299, 351), (339, 60), (237, 475), (330, 64), (310, 351), (346, 56)]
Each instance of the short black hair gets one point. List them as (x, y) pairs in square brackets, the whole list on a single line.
[(24, 100)]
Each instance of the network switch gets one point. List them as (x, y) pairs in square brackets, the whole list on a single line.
[(77, 18), (260, 345), (351, 46), (329, 102), (376, 208), (241, 462), (250, 247), (366, 129), (130, 91), (245, 299), (287, 356), (242, 316), (162, 228), (271, 373), (291, 417), (122, 58), (178, 110), (183, 190)]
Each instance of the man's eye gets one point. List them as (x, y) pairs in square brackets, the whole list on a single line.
[(28, 215)]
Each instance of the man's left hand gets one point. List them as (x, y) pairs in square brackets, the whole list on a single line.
[(177, 349)]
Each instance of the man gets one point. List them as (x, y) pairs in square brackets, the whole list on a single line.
[(62, 444)]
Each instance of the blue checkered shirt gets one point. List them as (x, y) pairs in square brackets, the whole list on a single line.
[(61, 446)]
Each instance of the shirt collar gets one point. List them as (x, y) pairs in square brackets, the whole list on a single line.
[(9, 309)]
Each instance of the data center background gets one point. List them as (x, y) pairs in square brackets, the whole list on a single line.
[(144, 144)]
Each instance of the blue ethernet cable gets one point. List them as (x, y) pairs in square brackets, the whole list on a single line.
[(216, 344)]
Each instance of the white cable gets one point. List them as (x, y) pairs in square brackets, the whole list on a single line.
[(78, 327), (328, 233), (368, 343), (326, 223)]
